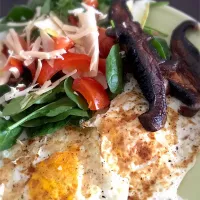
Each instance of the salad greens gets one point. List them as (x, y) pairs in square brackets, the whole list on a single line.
[(8, 137), (50, 110), (47, 129), (80, 101), (13, 107), (161, 47), (44, 114), (19, 14), (114, 70)]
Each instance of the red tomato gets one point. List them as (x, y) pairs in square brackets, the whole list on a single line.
[(63, 43), (105, 43), (93, 92), (102, 65), (23, 42), (71, 61), (93, 3), (15, 63), (73, 20)]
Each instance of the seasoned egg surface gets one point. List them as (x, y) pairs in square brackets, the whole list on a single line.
[(154, 163), (66, 165)]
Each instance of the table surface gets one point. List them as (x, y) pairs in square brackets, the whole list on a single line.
[(191, 7)]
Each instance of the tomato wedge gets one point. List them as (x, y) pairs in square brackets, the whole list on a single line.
[(105, 43), (93, 3), (63, 43), (14, 63), (23, 42), (71, 61), (102, 65), (93, 92)]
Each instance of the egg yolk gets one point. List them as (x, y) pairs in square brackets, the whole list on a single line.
[(55, 178)]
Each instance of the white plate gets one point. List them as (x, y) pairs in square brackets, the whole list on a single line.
[(165, 19)]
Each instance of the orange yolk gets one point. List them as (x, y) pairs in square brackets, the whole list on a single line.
[(55, 178)]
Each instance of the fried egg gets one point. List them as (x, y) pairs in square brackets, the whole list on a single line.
[(66, 165), (115, 158), (154, 163)]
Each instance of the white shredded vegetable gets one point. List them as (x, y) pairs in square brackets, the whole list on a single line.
[(47, 41), (35, 47), (87, 20), (37, 73), (56, 54), (14, 24)]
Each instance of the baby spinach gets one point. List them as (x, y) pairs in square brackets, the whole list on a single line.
[(19, 14), (51, 96), (64, 115), (13, 107), (80, 101), (47, 129), (8, 137), (46, 8), (49, 110), (45, 120), (161, 47), (114, 70), (4, 89)]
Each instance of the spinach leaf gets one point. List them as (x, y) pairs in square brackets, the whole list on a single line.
[(19, 14), (64, 115), (104, 5), (46, 8), (4, 27), (8, 137), (49, 110), (14, 107), (52, 96), (161, 48), (114, 70), (80, 101), (47, 129), (59, 7), (4, 89), (45, 120)]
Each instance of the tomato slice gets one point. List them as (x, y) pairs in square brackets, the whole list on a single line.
[(102, 65), (23, 42), (63, 43), (93, 92), (105, 43), (15, 63), (93, 3), (71, 61)]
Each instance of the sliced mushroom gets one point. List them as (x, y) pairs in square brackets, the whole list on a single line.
[(144, 63)]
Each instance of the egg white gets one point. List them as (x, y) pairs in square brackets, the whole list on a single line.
[(154, 163), (95, 179)]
